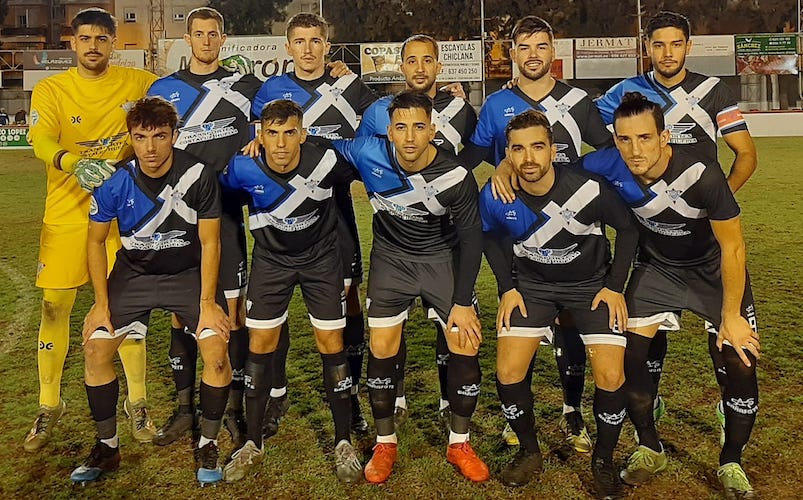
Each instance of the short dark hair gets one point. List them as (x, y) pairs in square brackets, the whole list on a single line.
[(667, 19), (530, 25), (635, 103), (204, 13), (94, 16), (423, 39), (409, 99), (307, 20), (281, 110), (527, 119), (151, 112)]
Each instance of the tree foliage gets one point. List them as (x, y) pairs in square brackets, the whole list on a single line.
[(395, 20), (250, 17)]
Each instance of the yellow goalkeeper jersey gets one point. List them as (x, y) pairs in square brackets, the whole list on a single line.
[(86, 118)]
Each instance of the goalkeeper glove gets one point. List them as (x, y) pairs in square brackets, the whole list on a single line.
[(91, 173), (238, 64)]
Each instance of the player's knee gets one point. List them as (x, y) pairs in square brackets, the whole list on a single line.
[(384, 347), (508, 375), (609, 378), (329, 341), (96, 355), (263, 343)]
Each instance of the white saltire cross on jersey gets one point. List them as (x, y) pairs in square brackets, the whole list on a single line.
[(686, 103), (304, 188), (331, 96), (443, 122), (424, 192), (173, 197), (218, 90), (557, 111), (670, 196), (562, 217)]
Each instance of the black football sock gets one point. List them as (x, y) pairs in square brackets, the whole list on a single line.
[(213, 404), (337, 381), (258, 373), (740, 402), (183, 355), (103, 406), (238, 353), (463, 389), (570, 356), (380, 380), (280, 360), (517, 406), (655, 359), (720, 370), (638, 387), (609, 413), (401, 361), (354, 345), (442, 360)]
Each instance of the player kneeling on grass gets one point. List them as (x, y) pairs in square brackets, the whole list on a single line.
[(294, 220), (553, 234), (428, 244), (167, 204)]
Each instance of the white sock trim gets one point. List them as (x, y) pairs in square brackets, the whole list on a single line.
[(390, 438), (455, 438), (278, 392), (401, 402)]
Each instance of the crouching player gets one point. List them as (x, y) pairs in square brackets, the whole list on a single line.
[(295, 224), (553, 234), (427, 243), (167, 205)]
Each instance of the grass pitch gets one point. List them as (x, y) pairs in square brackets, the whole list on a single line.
[(299, 460)]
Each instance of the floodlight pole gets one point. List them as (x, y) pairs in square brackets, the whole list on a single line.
[(482, 44)]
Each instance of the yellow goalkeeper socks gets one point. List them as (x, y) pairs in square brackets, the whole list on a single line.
[(54, 341), (132, 354)]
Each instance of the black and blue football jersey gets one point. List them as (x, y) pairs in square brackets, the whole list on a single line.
[(214, 112), (159, 231)]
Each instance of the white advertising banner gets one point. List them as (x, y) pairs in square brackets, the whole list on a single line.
[(605, 57), (461, 60), (712, 55), (267, 52)]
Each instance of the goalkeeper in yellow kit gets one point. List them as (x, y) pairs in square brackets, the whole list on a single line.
[(78, 129)]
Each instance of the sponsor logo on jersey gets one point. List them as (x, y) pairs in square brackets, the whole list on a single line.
[(259, 189), (560, 155), (547, 255), (207, 131), (287, 95), (325, 131), (405, 213), (663, 228), (562, 108), (158, 241), (175, 97), (509, 112), (613, 418), (678, 133), (129, 202), (673, 194), (692, 100), (511, 215), (379, 383), (512, 412), (291, 224), (567, 214), (431, 191), (745, 406), (75, 119), (469, 390), (377, 172), (105, 147)]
